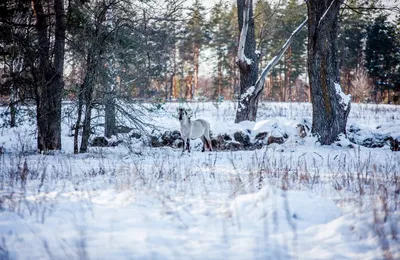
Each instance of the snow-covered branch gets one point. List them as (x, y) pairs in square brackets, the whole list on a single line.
[(323, 17), (243, 33), (274, 60)]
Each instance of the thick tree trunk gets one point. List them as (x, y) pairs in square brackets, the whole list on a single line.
[(330, 106), (50, 78), (248, 63)]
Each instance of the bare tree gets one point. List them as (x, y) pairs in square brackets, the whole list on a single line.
[(247, 59), (331, 106), (96, 46)]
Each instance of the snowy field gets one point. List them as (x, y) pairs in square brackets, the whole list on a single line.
[(296, 200)]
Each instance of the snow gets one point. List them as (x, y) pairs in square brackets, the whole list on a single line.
[(248, 61), (325, 13), (248, 93), (345, 99), (294, 200)]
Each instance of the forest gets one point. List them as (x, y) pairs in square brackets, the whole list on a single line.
[(151, 49)]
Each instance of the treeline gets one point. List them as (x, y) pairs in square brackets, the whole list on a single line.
[(153, 49)]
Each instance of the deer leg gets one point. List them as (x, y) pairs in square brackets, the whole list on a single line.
[(208, 142), (188, 145), (184, 145), (204, 143)]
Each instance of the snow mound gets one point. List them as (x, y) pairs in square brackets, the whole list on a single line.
[(285, 209)]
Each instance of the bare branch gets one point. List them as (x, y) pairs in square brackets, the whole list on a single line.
[(274, 60), (323, 17)]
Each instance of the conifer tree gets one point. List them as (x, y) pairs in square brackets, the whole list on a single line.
[(351, 37), (194, 39), (381, 60), (222, 36)]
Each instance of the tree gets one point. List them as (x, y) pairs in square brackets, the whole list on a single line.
[(222, 42), (351, 38), (17, 53), (294, 59), (110, 92), (33, 51), (381, 57), (123, 51), (49, 73), (89, 34), (192, 43), (330, 105), (247, 59)]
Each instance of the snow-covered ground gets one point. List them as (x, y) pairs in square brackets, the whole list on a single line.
[(294, 200)]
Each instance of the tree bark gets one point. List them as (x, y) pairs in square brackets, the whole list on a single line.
[(196, 71), (219, 87), (50, 77), (110, 116), (95, 50), (79, 119), (247, 62), (330, 109), (87, 92)]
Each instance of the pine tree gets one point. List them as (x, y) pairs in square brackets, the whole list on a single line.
[(273, 27), (193, 41), (351, 38), (222, 36), (381, 60), (294, 60)]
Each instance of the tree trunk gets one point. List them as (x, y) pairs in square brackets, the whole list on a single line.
[(219, 90), (93, 59), (79, 119), (87, 90), (50, 77), (247, 62), (13, 108), (173, 87), (110, 117), (13, 98), (250, 86), (330, 106), (196, 71), (289, 73)]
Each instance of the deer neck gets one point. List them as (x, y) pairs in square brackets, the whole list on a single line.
[(185, 121)]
